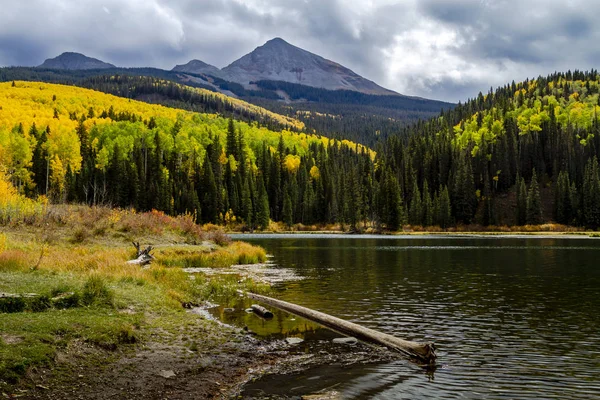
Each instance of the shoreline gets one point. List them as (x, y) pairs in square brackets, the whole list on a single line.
[(399, 235)]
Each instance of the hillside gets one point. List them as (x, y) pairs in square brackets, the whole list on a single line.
[(73, 144), (530, 148), (523, 154)]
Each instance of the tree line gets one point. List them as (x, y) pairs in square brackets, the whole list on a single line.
[(523, 154)]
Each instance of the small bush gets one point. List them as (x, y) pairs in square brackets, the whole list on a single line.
[(80, 235), (220, 238), (126, 336), (40, 303), (12, 304), (67, 300), (96, 292)]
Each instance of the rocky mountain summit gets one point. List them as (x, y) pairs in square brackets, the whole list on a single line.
[(74, 61), (199, 67), (277, 60)]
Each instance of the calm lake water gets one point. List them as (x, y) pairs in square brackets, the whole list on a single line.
[(512, 317)]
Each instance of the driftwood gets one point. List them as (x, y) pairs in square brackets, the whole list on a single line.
[(422, 352), (143, 256), (260, 310)]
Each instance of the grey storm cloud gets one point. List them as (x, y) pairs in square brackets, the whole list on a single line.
[(440, 49)]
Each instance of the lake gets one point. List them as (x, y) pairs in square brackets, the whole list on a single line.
[(512, 317)]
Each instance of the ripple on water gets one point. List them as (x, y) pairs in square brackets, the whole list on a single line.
[(511, 317)]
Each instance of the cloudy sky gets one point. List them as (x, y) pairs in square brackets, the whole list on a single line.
[(442, 49)]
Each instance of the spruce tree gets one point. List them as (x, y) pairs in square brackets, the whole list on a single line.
[(262, 215), (521, 201), (562, 199), (415, 214), (428, 210), (247, 208), (287, 210), (209, 193), (534, 202), (591, 194), (445, 213), (231, 142), (464, 198)]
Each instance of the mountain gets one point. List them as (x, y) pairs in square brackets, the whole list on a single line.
[(74, 61), (198, 67), (277, 60)]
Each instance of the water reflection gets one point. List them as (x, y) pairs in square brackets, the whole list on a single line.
[(511, 317)]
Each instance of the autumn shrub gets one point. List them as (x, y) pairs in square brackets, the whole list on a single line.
[(80, 235), (219, 237)]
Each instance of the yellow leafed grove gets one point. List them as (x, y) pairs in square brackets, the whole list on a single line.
[(70, 144)]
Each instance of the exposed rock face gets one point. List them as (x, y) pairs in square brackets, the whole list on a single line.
[(277, 60), (74, 61), (199, 67)]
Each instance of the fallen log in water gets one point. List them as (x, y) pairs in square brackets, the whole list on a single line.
[(424, 352), (260, 310)]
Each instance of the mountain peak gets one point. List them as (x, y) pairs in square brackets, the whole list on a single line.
[(198, 67), (278, 60), (276, 40), (74, 61)]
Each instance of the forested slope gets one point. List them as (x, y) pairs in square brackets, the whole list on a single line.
[(79, 145), (537, 139), (523, 154)]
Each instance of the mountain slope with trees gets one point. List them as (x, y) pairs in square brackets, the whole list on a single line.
[(531, 147), (523, 154), (78, 145)]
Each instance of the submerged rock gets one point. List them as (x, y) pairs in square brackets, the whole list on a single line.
[(345, 340), (294, 340), (333, 395)]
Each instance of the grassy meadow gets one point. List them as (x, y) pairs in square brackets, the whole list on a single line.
[(72, 260)]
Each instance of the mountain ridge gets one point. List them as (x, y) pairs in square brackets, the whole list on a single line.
[(278, 60), (74, 61), (196, 66)]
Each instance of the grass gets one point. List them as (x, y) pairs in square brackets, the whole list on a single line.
[(74, 258)]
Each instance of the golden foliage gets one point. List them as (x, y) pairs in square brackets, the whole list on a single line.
[(292, 163), (315, 173), (15, 207)]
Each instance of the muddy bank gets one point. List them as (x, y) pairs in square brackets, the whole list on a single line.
[(201, 360), (204, 359)]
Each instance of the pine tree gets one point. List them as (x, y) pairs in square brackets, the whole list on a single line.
[(287, 211), (521, 201), (563, 210), (231, 141), (534, 202), (262, 216), (445, 212), (415, 214), (464, 198), (428, 209), (209, 193), (489, 215), (591, 194), (247, 208)]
